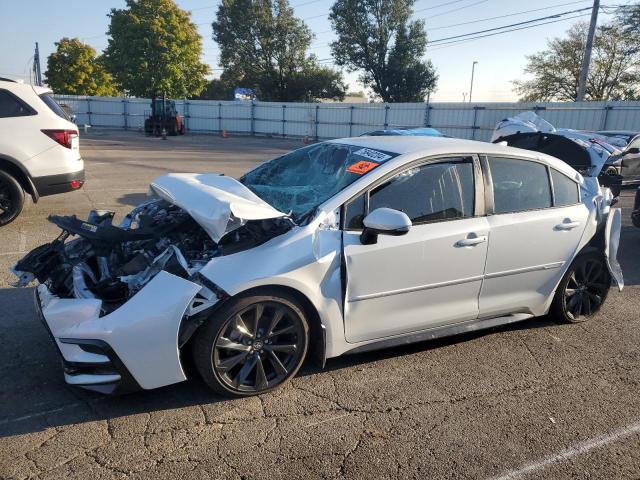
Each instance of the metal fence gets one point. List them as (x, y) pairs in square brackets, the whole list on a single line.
[(335, 120)]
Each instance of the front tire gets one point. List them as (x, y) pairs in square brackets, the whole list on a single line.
[(253, 344), (11, 198), (583, 289)]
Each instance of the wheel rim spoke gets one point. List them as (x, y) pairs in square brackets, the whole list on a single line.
[(280, 369), (228, 344), (241, 327), (277, 316), (586, 304), (261, 376), (284, 331), (596, 299), (578, 307), (259, 310), (245, 370), (284, 347), (572, 280), (228, 363)]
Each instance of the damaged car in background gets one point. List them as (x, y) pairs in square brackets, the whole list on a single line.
[(597, 157), (342, 246)]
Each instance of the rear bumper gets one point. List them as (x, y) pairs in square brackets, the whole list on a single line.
[(62, 183), (88, 363)]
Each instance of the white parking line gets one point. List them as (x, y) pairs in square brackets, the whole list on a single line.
[(577, 449)]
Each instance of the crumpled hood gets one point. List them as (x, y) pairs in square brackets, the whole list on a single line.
[(219, 204)]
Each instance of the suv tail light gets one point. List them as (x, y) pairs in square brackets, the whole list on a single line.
[(63, 137)]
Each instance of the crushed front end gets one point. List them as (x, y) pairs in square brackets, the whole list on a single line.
[(120, 300)]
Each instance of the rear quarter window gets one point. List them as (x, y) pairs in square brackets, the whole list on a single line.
[(565, 190), (12, 106), (53, 105)]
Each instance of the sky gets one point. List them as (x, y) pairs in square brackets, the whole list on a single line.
[(501, 58)]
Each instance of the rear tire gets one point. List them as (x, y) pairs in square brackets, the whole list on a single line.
[(253, 344), (11, 198), (583, 289)]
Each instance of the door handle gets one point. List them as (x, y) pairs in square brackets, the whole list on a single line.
[(471, 240), (567, 224)]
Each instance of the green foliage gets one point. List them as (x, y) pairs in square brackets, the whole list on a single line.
[(74, 69), (378, 38), (218, 89), (613, 74), (154, 49), (263, 46)]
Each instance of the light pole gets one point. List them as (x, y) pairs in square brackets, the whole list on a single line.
[(473, 68), (586, 58)]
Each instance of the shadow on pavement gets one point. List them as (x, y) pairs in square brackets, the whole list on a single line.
[(133, 199)]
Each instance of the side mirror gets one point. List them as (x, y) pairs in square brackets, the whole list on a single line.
[(384, 221)]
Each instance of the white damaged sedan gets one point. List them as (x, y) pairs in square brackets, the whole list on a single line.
[(342, 246)]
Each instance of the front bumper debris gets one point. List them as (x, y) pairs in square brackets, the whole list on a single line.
[(91, 364), (133, 347)]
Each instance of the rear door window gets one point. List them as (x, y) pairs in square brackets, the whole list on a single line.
[(519, 185), (12, 106)]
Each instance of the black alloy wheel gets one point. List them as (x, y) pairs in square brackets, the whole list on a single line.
[(260, 343), (584, 288), (11, 198)]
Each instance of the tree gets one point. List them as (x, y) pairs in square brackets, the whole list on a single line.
[(613, 74), (628, 17), (154, 49), (264, 46), (217, 89), (74, 69), (378, 38)]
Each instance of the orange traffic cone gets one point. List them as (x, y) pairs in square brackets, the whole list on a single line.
[(305, 140), (224, 133)]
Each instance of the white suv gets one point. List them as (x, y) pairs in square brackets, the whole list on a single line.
[(39, 148)]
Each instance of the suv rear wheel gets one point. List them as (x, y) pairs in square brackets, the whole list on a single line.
[(11, 198)]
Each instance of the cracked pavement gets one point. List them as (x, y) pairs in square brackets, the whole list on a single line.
[(473, 406)]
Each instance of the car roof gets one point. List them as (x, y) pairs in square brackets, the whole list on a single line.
[(16, 86), (416, 147)]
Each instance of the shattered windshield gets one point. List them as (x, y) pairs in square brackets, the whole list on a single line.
[(301, 180)]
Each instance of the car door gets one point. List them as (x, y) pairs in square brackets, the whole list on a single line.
[(536, 226), (631, 161), (430, 276)]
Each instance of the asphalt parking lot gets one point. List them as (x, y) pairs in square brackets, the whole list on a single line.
[(534, 400)]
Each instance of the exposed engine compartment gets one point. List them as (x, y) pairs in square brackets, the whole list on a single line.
[(97, 259)]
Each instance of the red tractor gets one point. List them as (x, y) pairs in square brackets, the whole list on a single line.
[(164, 117)]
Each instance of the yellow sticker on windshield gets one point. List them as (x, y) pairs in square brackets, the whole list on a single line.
[(362, 167)]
